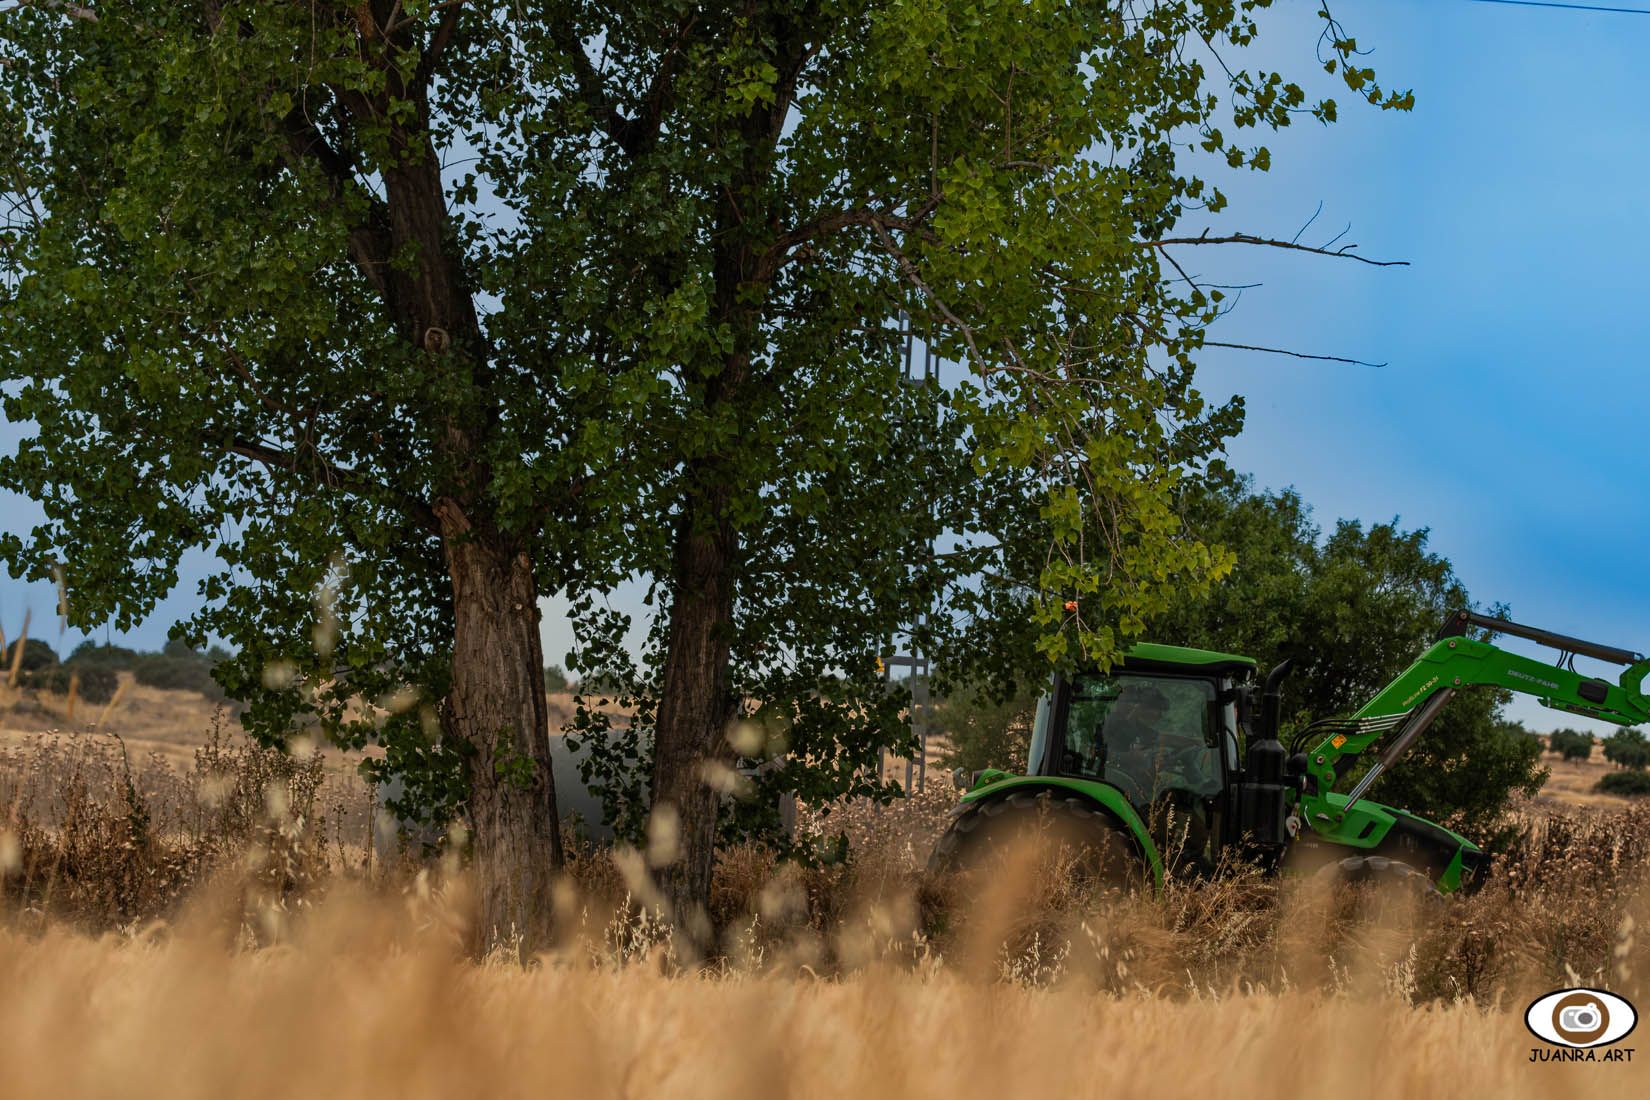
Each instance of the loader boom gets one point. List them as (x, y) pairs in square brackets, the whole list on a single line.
[(1407, 705)]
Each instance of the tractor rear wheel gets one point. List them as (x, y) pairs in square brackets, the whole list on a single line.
[(1027, 825), (1382, 886)]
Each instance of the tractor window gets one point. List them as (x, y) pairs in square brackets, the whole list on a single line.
[(1145, 734)]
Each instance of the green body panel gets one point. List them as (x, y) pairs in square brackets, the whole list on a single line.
[(1182, 655), (996, 784), (1452, 663), (1366, 825)]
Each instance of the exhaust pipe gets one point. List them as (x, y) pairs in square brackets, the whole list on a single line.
[(1261, 805)]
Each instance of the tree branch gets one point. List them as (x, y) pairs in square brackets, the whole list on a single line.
[(73, 11), (1344, 253), (591, 87), (826, 224), (1291, 354), (439, 41), (1140, 323), (328, 476), (633, 135), (369, 242)]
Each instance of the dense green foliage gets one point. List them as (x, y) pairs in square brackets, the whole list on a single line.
[(1570, 744), (985, 731), (1631, 783), (1354, 606), (1627, 748)]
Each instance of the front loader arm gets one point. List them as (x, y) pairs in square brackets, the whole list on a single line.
[(1409, 703)]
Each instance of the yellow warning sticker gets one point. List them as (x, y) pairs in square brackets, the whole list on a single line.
[(1338, 740)]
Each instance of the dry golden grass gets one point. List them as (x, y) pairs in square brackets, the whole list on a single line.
[(217, 928), (370, 1000)]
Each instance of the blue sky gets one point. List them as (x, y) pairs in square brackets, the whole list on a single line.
[(1509, 418)]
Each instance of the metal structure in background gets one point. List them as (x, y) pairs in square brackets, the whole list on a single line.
[(921, 368)]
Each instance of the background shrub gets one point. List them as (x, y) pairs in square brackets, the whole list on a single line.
[(37, 655), (180, 668), (97, 683), (1631, 783), (1627, 749), (1570, 744), (116, 657)]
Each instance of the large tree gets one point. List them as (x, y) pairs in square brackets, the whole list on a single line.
[(254, 303), (1354, 606), (413, 312), (1015, 179)]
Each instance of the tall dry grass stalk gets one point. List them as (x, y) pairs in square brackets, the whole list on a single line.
[(226, 931), (101, 841), (372, 1001)]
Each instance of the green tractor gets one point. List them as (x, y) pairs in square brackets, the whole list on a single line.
[(1172, 761)]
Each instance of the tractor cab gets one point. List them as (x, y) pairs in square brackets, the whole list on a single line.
[(1162, 728)]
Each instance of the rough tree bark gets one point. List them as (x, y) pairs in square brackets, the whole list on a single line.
[(695, 705), (497, 709)]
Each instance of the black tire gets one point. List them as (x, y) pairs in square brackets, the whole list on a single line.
[(1001, 828), (1384, 878)]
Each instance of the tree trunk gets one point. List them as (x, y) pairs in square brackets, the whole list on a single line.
[(497, 709), (695, 707)]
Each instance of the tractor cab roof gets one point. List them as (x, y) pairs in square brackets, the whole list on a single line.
[(1148, 656)]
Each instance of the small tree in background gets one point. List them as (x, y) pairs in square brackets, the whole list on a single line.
[(987, 731), (1628, 748), (106, 655), (1570, 744), (1633, 784), (36, 655)]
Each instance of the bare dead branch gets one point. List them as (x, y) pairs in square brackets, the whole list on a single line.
[(1345, 252), (1291, 354)]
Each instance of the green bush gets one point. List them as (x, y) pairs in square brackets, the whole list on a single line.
[(37, 655), (1632, 784), (97, 683), (555, 680), (116, 657), (1627, 749), (1570, 744), (985, 731), (178, 670)]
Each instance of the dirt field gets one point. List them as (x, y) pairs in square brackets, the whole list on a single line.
[(173, 724), (1572, 781), (169, 724)]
